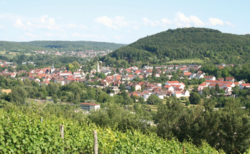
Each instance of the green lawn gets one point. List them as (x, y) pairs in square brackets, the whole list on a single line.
[(195, 60), (2, 52)]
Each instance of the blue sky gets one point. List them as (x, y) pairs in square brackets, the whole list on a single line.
[(115, 20)]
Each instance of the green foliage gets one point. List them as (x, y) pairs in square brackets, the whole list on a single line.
[(19, 95), (154, 100), (227, 128), (186, 43), (57, 45), (24, 133), (194, 98)]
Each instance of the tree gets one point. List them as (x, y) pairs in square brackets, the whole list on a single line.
[(87, 76), (77, 98), (122, 87), (194, 98), (52, 88), (217, 88), (236, 90), (76, 65), (103, 97), (70, 67), (132, 88), (54, 98), (154, 100), (234, 128), (19, 94), (168, 116)]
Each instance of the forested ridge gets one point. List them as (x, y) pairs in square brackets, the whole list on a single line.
[(187, 43), (57, 45)]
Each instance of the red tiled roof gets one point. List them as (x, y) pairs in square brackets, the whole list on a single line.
[(90, 104), (246, 85), (208, 76), (187, 73), (171, 82), (203, 84), (229, 78)]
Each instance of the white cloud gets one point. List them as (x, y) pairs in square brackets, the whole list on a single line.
[(136, 27), (216, 21), (48, 34), (30, 35), (43, 22), (87, 35), (166, 21), (196, 21), (117, 37), (163, 22), (115, 23), (77, 34), (2, 27), (151, 23), (182, 21), (21, 25), (42, 19), (80, 26), (51, 21), (229, 24)]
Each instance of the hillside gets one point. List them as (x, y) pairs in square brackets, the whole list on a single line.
[(187, 43), (22, 132), (57, 45)]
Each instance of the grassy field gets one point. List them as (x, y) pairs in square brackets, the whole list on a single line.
[(185, 61), (2, 52)]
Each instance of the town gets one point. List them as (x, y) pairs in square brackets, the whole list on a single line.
[(83, 54), (134, 79)]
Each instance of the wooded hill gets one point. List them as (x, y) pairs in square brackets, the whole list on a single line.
[(187, 43), (57, 45)]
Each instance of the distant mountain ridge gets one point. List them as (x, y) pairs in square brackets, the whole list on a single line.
[(57, 45), (187, 43)]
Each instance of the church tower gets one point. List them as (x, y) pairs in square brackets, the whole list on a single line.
[(52, 68), (98, 68)]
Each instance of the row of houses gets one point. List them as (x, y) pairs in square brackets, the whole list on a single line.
[(227, 84), (171, 88)]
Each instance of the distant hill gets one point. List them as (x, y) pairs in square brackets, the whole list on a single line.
[(185, 43), (57, 45)]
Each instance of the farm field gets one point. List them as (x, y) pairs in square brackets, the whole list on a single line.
[(181, 61)]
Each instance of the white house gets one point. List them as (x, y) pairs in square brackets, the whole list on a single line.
[(146, 95), (169, 88), (230, 79), (210, 78), (13, 75), (191, 76), (77, 74), (177, 94), (148, 67), (200, 76), (161, 95), (65, 74), (116, 89), (184, 93), (245, 85), (90, 106)]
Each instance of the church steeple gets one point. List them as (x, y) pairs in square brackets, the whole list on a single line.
[(98, 68), (52, 68)]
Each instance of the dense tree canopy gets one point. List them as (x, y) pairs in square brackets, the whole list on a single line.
[(57, 46), (186, 43)]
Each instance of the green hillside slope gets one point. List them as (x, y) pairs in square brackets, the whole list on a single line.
[(25, 133), (187, 43), (57, 45)]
